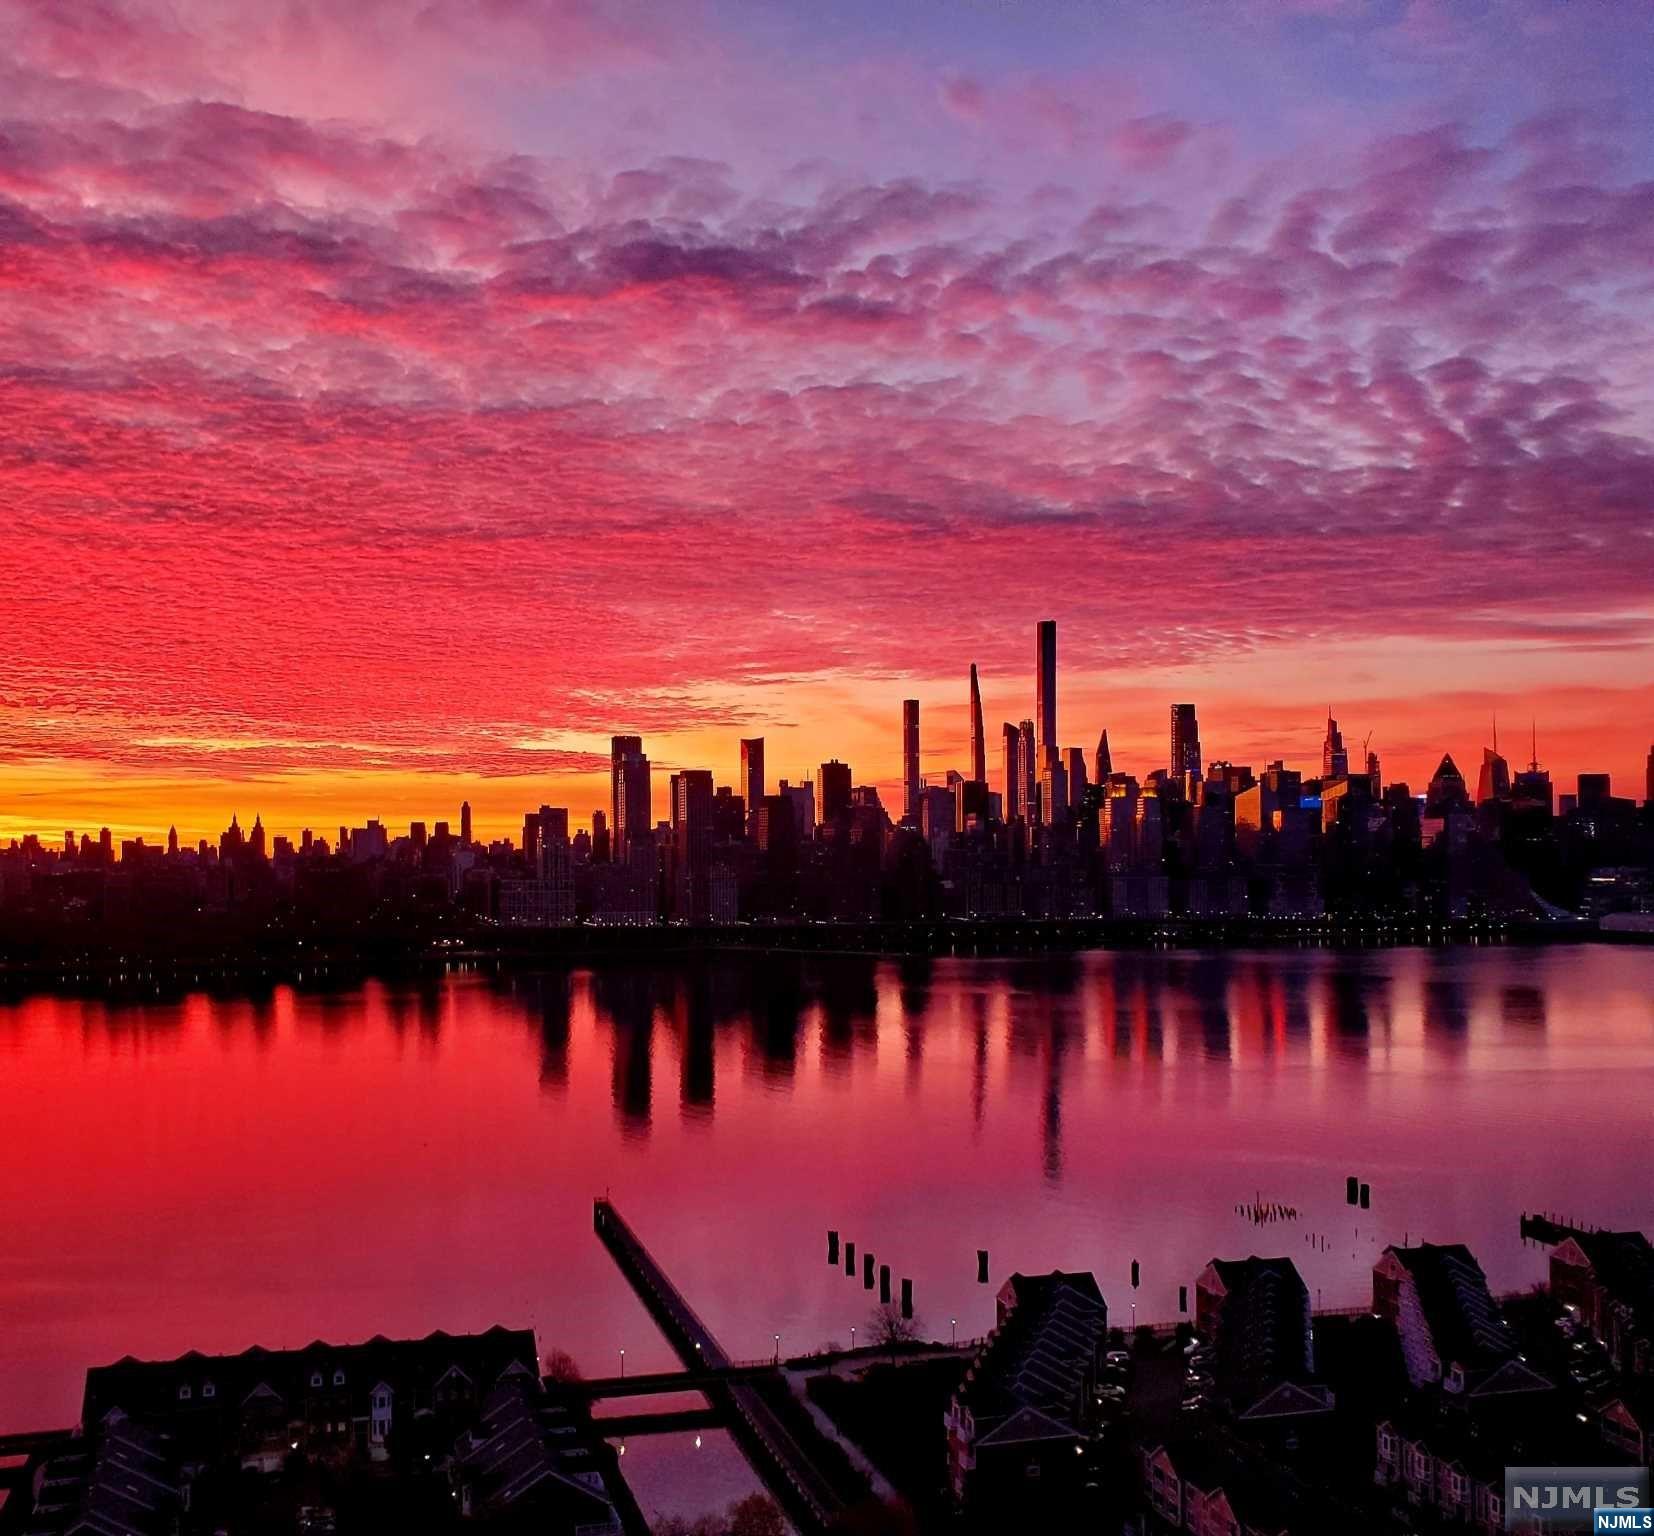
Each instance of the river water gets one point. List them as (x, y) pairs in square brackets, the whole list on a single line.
[(210, 1172)]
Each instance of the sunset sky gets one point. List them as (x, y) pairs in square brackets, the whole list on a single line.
[(397, 397)]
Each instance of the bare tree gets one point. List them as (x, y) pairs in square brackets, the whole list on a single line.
[(887, 1326), (560, 1366)]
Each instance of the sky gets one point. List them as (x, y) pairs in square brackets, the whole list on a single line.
[(397, 398)]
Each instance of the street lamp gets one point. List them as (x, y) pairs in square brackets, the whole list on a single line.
[(778, 1349), (953, 1323), (623, 1364), (852, 1341)]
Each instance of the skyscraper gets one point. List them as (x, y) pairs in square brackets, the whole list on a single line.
[(1028, 766), (691, 843), (1053, 789), (910, 760), (752, 771), (1494, 781), (1648, 787), (630, 805), (465, 823), (1013, 772), (1185, 741), (832, 791), (1335, 761), (1045, 692), (979, 741), (1104, 760), (1074, 762)]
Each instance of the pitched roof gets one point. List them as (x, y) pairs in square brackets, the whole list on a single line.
[(1039, 1359), (1463, 1318), (524, 1454), (1263, 1323), (124, 1486), (154, 1390), (1624, 1265)]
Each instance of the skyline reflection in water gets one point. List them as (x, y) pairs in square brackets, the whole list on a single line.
[(216, 1172)]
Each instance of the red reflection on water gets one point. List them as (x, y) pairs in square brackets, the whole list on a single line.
[(213, 1174)]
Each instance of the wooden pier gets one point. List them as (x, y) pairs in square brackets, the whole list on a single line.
[(803, 1489)]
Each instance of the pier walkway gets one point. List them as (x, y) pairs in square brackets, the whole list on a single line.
[(805, 1491)]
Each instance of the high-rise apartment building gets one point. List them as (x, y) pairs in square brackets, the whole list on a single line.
[(1012, 807), (1185, 741), (910, 760), (752, 771), (630, 808), (1028, 766), (832, 791), (1045, 691)]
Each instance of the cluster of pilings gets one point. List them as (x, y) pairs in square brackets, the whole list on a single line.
[(867, 1272)]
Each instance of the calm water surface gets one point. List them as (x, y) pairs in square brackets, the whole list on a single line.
[(213, 1173)]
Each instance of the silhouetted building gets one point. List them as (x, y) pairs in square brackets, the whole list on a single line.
[(979, 740), (1256, 1314), (1447, 789), (1104, 761), (832, 791), (692, 799), (1026, 1404), (1012, 792), (1437, 1299), (1493, 783), (1335, 760), (753, 784), (1045, 696), (1028, 765), (910, 760), (630, 809), (1185, 753)]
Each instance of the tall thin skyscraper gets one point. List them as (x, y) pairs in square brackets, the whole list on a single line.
[(1045, 694), (630, 798), (1028, 766), (1335, 761), (1104, 760), (752, 771), (1185, 741), (1012, 807), (465, 824), (1648, 787), (979, 741), (910, 760)]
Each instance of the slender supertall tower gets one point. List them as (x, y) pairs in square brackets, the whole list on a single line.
[(979, 743), (465, 823), (1045, 695), (1013, 772), (754, 786), (1028, 767), (1105, 759), (910, 759)]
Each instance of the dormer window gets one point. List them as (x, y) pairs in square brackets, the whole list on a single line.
[(208, 1389), (183, 1394), (315, 1378), (338, 1378)]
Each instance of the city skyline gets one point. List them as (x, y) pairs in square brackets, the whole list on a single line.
[(400, 405), (595, 790)]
